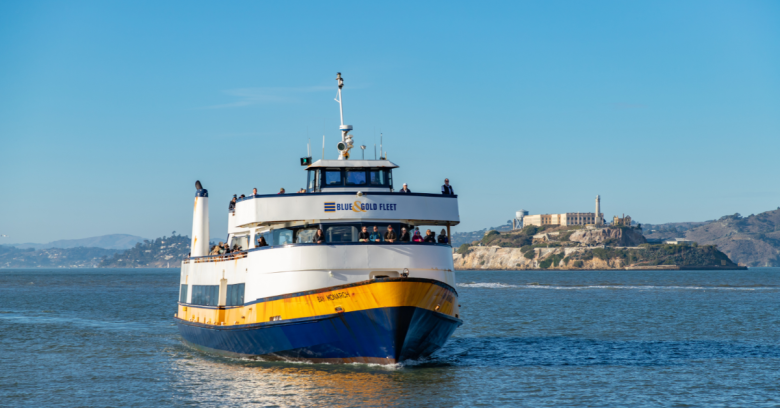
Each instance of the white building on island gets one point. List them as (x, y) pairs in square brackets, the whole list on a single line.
[(565, 219)]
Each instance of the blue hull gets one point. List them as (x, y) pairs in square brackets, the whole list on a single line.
[(384, 335)]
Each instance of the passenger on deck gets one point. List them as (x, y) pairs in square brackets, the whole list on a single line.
[(429, 237), (232, 206), (417, 237), (443, 239), (375, 236), (281, 191), (319, 237), (261, 242), (222, 248), (447, 188), (405, 190), (254, 191), (404, 235), (214, 250), (303, 190), (363, 235), (390, 234), (236, 248), (242, 196)]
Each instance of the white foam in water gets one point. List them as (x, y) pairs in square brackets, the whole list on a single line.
[(486, 285), (497, 285)]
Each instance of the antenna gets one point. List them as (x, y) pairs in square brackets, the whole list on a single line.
[(374, 151), (308, 148), (346, 140), (380, 145), (363, 148), (323, 147)]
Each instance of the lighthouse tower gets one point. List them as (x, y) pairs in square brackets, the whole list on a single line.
[(597, 218)]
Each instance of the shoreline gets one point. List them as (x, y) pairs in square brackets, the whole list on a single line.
[(628, 268)]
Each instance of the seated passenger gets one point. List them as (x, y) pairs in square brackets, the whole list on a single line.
[(363, 235), (214, 250), (404, 235), (443, 239), (429, 237), (236, 248), (242, 196), (405, 190), (261, 242), (417, 237), (375, 236), (281, 191), (390, 234), (319, 237)]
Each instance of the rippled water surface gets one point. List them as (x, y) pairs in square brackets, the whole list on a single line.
[(604, 338)]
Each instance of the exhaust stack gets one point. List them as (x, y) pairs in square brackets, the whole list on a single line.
[(200, 222)]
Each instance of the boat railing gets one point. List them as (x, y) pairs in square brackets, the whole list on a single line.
[(218, 258)]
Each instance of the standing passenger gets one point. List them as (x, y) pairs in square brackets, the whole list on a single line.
[(254, 191), (417, 237), (281, 191), (447, 188), (390, 234), (376, 236), (232, 206), (261, 242), (363, 235), (405, 190), (404, 235), (429, 237), (319, 237), (443, 239)]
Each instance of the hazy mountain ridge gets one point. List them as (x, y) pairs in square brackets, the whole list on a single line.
[(12, 257), (158, 253), (111, 241)]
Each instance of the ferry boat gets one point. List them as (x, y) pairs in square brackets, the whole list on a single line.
[(340, 301)]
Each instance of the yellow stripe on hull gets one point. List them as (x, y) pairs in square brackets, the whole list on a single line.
[(393, 292)]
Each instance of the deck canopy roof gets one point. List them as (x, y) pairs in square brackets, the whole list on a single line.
[(353, 163)]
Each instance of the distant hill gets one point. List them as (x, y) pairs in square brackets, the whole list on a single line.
[(159, 253), (13, 257), (113, 241), (753, 240)]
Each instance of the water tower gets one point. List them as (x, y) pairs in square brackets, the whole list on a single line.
[(517, 222)]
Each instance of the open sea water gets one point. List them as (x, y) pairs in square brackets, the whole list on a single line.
[(105, 337)]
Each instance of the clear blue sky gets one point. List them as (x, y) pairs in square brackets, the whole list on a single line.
[(109, 111)]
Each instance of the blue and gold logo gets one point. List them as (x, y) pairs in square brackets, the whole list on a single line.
[(358, 207)]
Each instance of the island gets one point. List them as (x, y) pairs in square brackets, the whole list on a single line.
[(585, 247)]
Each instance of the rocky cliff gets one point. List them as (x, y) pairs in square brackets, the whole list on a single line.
[(626, 237), (645, 257)]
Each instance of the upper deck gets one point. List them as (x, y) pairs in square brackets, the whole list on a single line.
[(341, 190)]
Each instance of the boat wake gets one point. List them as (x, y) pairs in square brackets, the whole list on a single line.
[(498, 285)]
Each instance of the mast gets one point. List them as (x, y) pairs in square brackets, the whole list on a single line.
[(346, 140)]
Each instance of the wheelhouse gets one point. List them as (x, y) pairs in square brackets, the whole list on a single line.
[(353, 175)]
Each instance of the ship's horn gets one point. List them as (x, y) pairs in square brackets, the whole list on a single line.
[(200, 222)]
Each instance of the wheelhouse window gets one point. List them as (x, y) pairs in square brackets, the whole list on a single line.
[(356, 177), (311, 182), (379, 177), (332, 178)]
